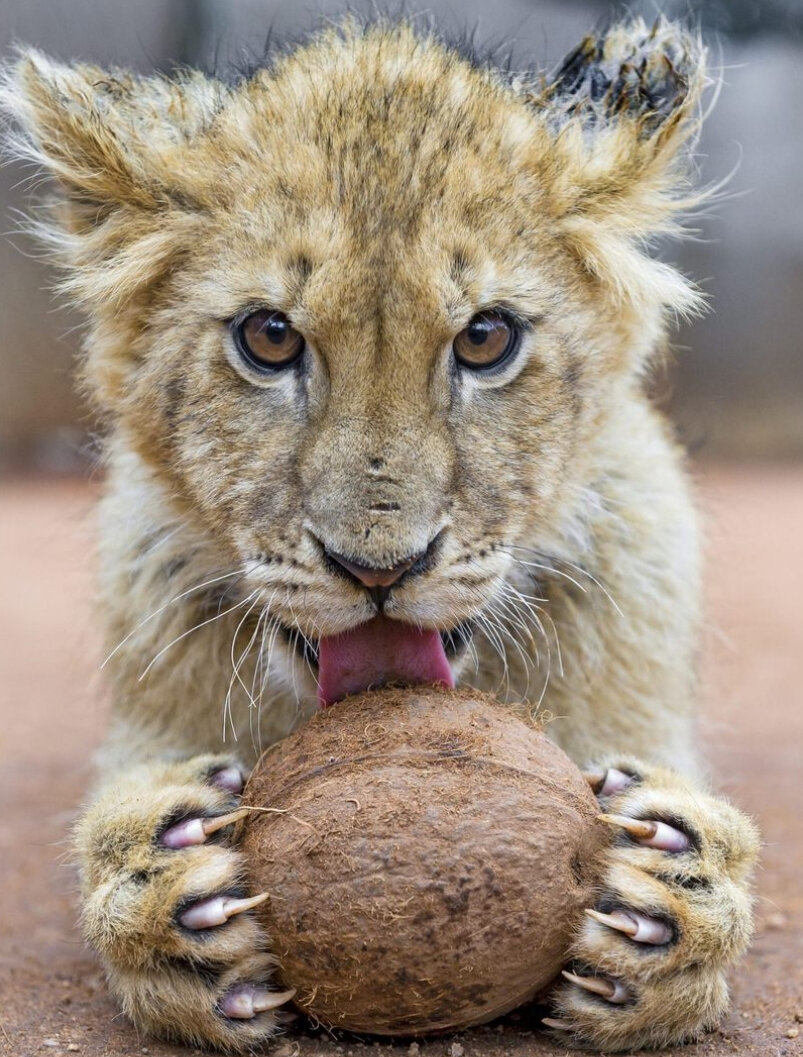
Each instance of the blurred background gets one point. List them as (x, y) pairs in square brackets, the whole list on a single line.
[(735, 383)]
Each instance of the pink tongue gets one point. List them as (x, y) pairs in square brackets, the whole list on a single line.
[(376, 653)]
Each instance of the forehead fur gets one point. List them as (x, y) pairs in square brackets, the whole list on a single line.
[(390, 115), (381, 157), (363, 142)]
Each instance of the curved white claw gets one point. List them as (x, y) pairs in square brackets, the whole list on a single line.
[(649, 833), (217, 910), (612, 990), (638, 927), (195, 830), (558, 1025), (247, 1001), (609, 782)]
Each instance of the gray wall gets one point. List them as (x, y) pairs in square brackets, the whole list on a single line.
[(737, 380), (41, 418)]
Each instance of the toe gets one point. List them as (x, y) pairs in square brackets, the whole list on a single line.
[(184, 834), (608, 782)]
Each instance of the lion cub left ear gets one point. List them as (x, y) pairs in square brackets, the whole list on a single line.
[(626, 109), (623, 114), (110, 139)]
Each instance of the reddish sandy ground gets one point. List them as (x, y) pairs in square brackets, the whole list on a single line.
[(53, 1000)]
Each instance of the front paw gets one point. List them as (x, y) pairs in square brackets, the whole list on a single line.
[(673, 910), (166, 905)]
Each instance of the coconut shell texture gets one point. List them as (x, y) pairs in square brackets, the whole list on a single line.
[(428, 854)]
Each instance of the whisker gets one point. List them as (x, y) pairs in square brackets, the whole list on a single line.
[(170, 602), (535, 614), (260, 675), (554, 627), (596, 582), (551, 568), (271, 643), (236, 665), (307, 643), (189, 631), (526, 660), (489, 630)]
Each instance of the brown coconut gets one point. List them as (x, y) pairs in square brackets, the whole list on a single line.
[(428, 854)]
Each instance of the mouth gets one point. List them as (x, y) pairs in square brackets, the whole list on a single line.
[(380, 652)]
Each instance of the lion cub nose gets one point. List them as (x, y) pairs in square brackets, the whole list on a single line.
[(378, 581)]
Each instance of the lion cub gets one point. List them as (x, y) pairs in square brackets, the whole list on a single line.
[(368, 328)]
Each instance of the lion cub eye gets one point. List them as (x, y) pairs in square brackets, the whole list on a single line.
[(489, 338), (266, 339)]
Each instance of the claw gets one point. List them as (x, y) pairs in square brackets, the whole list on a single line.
[(638, 927), (208, 913), (558, 1025), (196, 830), (229, 778), (595, 779), (651, 834), (612, 990), (606, 783), (272, 999), (212, 825), (245, 1002), (184, 834)]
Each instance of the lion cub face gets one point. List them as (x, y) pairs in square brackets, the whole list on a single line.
[(369, 309)]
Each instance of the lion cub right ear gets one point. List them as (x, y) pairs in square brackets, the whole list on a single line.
[(110, 139)]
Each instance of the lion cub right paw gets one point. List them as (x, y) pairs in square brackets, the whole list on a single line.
[(165, 904)]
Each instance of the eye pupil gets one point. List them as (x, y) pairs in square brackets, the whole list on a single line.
[(276, 330), (478, 333)]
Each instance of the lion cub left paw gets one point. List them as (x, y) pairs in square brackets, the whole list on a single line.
[(673, 911)]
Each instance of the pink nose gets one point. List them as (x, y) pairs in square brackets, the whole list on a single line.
[(370, 577)]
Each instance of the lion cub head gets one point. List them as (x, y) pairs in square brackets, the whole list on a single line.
[(366, 312)]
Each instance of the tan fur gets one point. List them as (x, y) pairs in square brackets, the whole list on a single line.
[(380, 190)]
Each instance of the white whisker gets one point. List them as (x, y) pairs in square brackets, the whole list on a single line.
[(551, 568), (271, 643), (189, 631), (236, 665), (170, 602)]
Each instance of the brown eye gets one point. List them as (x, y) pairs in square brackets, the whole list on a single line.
[(489, 338), (266, 339)]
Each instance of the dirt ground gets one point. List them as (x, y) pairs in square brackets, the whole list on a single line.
[(52, 999)]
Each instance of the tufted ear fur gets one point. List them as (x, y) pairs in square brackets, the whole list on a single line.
[(109, 138), (626, 110), (128, 186), (129, 190)]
